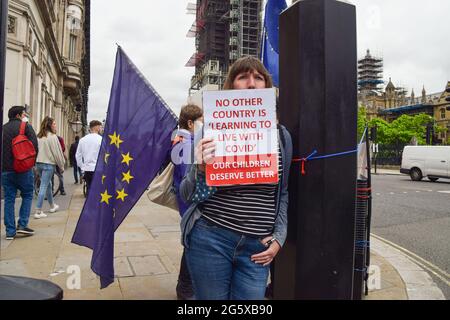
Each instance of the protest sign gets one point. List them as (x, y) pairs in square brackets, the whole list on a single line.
[(243, 125)]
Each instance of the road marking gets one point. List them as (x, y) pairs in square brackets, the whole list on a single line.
[(418, 191), (430, 190), (448, 191), (405, 192), (428, 266), (378, 194), (391, 193)]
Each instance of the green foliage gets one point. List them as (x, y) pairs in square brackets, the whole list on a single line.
[(399, 132), (362, 121), (383, 131), (407, 127)]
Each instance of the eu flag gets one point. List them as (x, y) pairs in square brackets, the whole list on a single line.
[(136, 142), (270, 42)]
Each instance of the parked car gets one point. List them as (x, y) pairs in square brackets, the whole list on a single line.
[(426, 161)]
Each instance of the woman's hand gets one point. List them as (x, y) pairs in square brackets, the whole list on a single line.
[(205, 152), (266, 257)]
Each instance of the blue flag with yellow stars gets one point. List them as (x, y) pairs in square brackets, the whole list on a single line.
[(136, 142), (270, 41)]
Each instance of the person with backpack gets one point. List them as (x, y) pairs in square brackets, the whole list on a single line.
[(20, 147), (190, 121), (49, 157)]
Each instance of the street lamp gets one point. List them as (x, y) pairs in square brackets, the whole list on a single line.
[(77, 125)]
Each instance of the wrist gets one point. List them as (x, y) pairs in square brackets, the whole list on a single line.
[(271, 241)]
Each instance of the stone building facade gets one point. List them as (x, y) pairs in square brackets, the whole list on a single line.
[(442, 114), (47, 62)]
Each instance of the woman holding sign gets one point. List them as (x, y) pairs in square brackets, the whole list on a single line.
[(232, 233)]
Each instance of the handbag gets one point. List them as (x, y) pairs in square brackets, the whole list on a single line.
[(161, 190)]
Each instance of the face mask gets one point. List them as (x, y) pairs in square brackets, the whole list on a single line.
[(198, 125), (25, 119)]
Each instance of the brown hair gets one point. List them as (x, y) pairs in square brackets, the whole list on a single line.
[(189, 112), (46, 127), (246, 64), (94, 123)]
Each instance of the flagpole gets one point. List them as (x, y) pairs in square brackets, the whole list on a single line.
[(263, 35)]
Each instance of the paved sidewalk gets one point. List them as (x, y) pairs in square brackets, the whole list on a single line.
[(415, 280), (147, 253), (147, 257), (387, 172)]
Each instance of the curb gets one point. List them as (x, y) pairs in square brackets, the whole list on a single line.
[(418, 282), (387, 174)]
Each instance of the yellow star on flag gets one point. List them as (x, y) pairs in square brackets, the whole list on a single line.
[(126, 158), (105, 197), (127, 177), (106, 157), (118, 141), (121, 195), (115, 139), (103, 179)]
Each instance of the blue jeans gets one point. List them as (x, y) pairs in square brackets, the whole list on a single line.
[(220, 265), (45, 171), (76, 172), (12, 182)]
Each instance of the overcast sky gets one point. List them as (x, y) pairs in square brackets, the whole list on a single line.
[(411, 36)]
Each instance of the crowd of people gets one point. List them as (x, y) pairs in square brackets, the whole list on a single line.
[(25, 154)]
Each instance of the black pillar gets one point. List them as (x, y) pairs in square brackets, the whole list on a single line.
[(318, 104)]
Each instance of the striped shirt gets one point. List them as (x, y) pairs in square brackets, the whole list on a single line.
[(246, 209)]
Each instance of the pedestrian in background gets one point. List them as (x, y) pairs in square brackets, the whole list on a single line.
[(88, 150), (58, 172), (191, 118), (12, 180), (73, 160), (50, 156)]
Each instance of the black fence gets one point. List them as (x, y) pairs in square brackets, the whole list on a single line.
[(388, 155)]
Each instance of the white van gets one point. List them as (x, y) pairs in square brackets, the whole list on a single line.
[(426, 161)]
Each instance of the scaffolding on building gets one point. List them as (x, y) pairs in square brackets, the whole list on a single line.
[(224, 31), (370, 75)]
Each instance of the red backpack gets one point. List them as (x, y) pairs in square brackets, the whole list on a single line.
[(23, 151)]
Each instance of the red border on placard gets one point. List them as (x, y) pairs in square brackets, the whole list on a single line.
[(242, 170)]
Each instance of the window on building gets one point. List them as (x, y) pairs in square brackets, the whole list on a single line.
[(73, 47), (443, 113), (12, 25)]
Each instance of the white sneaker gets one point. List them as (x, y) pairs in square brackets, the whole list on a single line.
[(40, 215), (54, 209)]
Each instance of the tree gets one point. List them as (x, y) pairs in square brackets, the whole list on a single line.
[(383, 130), (402, 130), (362, 121), (406, 127)]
